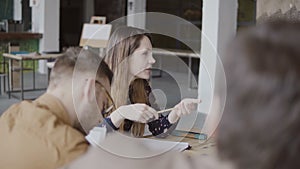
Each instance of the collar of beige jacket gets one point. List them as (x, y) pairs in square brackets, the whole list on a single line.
[(54, 105)]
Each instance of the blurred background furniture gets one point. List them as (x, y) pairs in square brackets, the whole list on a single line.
[(3, 76), (15, 69), (21, 58), (96, 36), (98, 20)]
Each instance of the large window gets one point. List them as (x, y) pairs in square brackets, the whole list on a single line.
[(190, 10), (26, 15)]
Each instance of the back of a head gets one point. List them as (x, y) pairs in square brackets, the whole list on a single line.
[(83, 61), (261, 121)]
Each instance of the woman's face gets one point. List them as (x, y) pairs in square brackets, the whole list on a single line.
[(141, 61)]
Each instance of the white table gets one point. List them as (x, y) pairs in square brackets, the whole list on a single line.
[(21, 58)]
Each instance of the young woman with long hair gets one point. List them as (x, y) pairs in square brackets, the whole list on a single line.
[(129, 56)]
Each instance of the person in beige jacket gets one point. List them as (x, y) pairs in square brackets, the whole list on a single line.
[(260, 125), (48, 132)]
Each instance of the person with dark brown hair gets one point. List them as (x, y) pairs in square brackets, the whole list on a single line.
[(261, 121)]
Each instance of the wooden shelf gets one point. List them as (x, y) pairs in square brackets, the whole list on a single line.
[(19, 35)]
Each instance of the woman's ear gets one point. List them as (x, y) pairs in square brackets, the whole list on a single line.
[(89, 88)]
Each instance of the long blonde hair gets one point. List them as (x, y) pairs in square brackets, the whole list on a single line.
[(122, 43)]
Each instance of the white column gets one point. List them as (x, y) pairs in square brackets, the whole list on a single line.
[(136, 6), (45, 20), (218, 28), (18, 10)]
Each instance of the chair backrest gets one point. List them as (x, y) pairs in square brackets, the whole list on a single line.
[(98, 20), (13, 47), (95, 35)]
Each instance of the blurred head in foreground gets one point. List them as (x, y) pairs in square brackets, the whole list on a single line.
[(81, 79), (261, 121)]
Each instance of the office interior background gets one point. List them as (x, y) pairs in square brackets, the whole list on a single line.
[(57, 24)]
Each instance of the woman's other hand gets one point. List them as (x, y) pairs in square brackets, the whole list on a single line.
[(185, 107)]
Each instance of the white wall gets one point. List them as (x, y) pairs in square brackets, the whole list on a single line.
[(269, 7), (136, 6), (218, 28), (45, 20), (18, 10)]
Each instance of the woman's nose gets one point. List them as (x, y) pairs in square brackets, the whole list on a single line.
[(151, 59)]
